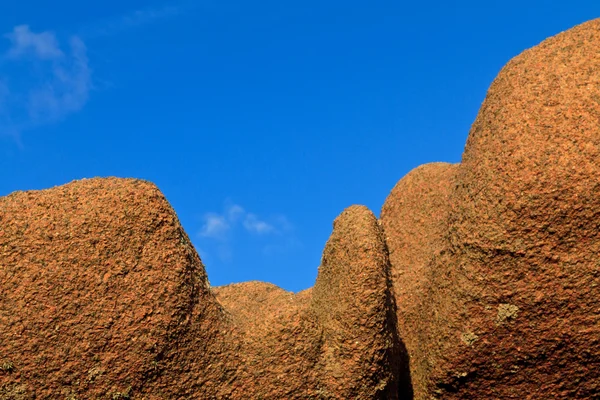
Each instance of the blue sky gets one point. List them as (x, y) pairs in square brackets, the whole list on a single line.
[(259, 121)]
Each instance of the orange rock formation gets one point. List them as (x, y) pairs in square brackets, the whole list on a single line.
[(480, 281)]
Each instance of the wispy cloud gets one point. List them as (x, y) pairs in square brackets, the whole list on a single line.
[(218, 225), (254, 225), (43, 79), (235, 212), (234, 218), (215, 226), (41, 83), (134, 19), (43, 45)]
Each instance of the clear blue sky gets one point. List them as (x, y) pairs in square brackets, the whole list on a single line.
[(260, 121)]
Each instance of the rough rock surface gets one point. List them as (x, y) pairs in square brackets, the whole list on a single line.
[(335, 341), (103, 296), (511, 308), (414, 218), (352, 300), (492, 281)]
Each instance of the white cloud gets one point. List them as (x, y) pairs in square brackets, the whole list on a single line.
[(235, 212), (222, 227), (254, 225), (41, 84), (215, 226), (42, 45), (67, 92)]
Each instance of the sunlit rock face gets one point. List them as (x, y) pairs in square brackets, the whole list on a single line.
[(481, 280), (103, 296), (414, 218), (511, 304)]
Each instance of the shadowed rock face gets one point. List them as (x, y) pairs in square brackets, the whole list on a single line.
[(104, 296), (508, 294), (492, 280)]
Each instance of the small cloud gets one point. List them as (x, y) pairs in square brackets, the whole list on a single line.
[(41, 45), (58, 84), (276, 232), (215, 226), (67, 92), (254, 225), (235, 212)]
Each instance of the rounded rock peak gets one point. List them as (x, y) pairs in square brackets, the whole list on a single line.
[(533, 154), (109, 280), (352, 302), (355, 247), (351, 215), (414, 220)]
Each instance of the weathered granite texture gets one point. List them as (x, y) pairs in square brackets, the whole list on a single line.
[(481, 280), (103, 296), (499, 288)]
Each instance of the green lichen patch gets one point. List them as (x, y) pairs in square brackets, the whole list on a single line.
[(506, 313)]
